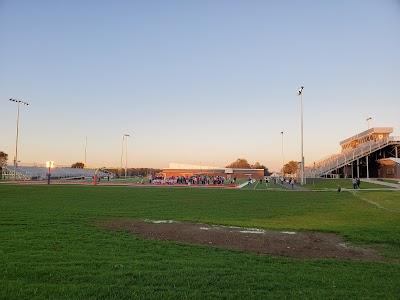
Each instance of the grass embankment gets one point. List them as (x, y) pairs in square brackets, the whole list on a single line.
[(391, 181), (343, 182), (50, 249)]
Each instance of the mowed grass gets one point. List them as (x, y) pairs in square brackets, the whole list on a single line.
[(395, 181), (49, 247), (343, 182), (257, 186)]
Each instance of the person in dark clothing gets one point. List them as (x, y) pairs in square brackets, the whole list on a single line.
[(354, 181), (358, 182)]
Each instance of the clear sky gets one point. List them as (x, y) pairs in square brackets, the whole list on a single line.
[(195, 82)]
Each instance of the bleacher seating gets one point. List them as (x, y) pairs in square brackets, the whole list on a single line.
[(40, 173)]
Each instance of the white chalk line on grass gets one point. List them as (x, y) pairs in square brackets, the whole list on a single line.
[(373, 203), (255, 185), (245, 183)]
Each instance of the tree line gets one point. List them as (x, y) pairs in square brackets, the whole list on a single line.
[(291, 167), (242, 163)]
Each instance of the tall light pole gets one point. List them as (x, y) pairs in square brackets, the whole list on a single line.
[(300, 93), (49, 165), (16, 139), (283, 162), (368, 119), (122, 151), (126, 153), (85, 151)]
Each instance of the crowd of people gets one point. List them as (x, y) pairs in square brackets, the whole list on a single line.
[(192, 180)]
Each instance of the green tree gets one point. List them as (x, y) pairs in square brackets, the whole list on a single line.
[(291, 167), (78, 165), (240, 163)]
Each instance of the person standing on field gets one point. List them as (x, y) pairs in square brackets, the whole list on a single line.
[(354, 181)]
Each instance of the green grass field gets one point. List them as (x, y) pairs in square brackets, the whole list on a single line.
[(50, 249), (391, 181), (343, 182), (257, 186)]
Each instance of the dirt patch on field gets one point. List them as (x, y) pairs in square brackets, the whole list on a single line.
[(309, 245)]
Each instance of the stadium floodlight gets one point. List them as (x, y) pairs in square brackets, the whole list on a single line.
[(300, 93), (283, 161), (368, 119), (16, 139), (84, 166), (122, 151), (49, 166), (126, 153)]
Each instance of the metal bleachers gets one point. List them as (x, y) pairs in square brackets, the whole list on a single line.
[(337, 161), (40, 173)]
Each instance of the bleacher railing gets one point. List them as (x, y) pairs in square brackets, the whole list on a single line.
[(334, 162), (38, 172)]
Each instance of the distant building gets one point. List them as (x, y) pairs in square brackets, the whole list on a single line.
[(176, 170)]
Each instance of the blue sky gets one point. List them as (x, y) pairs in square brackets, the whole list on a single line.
[(197, 82)]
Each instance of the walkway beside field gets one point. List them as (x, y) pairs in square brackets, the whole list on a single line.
[(297, 187), (393, 185), (244, 184), (285, 184)]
